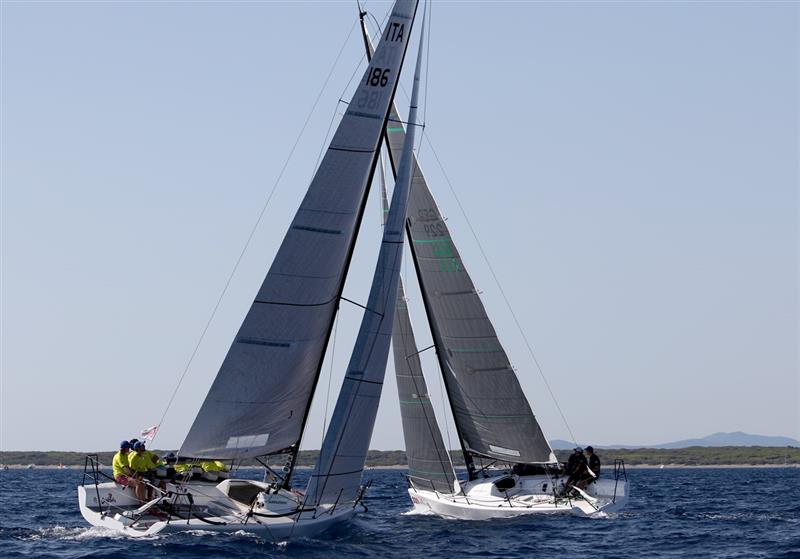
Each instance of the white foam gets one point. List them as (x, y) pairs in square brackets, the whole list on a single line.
[(75, 534), (418, 512)]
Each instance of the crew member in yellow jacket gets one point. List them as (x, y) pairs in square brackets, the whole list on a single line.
[(213, 466), (124, 474)]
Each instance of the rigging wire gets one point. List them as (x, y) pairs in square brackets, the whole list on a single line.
[(430, 422), (364, 56), (426, 135), (253, 230), (445, 417), (427, 138), (325, 141), (330, 378)]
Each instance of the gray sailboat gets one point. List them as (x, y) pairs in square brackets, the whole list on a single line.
[(511, 469), (259, 402)]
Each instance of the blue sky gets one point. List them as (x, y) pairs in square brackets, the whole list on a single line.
[(630, 169)]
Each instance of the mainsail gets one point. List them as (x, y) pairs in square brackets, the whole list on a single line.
[(337, 476), (429, 462), (490, 410), (259, 401)]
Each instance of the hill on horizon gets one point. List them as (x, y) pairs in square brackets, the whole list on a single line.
[(736, 438)]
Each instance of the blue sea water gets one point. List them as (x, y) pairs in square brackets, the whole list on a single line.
[(704, 513)]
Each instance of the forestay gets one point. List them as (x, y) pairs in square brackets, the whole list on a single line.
[(492, 414), (337, 476), (259, 400)]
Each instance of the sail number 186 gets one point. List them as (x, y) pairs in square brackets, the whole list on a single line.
[(378, 77)]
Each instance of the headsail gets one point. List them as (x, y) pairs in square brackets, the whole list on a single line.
[(492, 414), (337, 476), (429, 462), (259, 401)]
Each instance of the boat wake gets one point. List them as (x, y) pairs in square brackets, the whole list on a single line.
[(417, 512), (72, 534), (63, 533)]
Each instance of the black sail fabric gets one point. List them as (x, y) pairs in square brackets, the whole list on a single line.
[(260, 397), (336, 479), (491, 411)]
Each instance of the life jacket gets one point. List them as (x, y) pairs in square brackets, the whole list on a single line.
[(151, 459), (213, 466), (138, 461), (180, 468), (119, 463)]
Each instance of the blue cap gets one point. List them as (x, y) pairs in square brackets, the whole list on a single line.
[(124, 444), (137, 446)]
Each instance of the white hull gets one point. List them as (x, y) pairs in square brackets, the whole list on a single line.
[(482, 500), (212, 509)]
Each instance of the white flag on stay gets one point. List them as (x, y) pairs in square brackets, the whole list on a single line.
[(150, 433)]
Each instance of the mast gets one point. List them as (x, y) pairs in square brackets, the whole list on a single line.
[(437, 341), (492, 415), (259, 402), (337, 476), (295, 452), (403, 324), (394, 116)]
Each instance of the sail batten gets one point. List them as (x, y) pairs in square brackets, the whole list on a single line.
[(260, 398)]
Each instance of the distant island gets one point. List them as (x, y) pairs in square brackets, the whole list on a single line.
[(736, 438)]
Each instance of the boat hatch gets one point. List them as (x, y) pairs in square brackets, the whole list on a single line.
[(241, 491), (506, 483)]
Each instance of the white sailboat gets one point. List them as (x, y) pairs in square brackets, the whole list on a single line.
[(259, 402), (511, 469)]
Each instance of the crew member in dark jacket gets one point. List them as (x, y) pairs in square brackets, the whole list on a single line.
[(594, 462), (576, 467)]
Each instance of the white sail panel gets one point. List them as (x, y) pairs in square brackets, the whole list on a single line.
[(263, 389)]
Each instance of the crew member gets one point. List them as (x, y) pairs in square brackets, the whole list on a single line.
[(213, 466), (139, 462), (152, 458), (153, 461), (123, 473), (576, 467), (213, 470), (594, 462)]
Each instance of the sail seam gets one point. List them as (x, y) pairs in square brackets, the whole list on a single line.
[(317, 229), (352, 150), (328, 302), (363, 380), (338, 473)]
